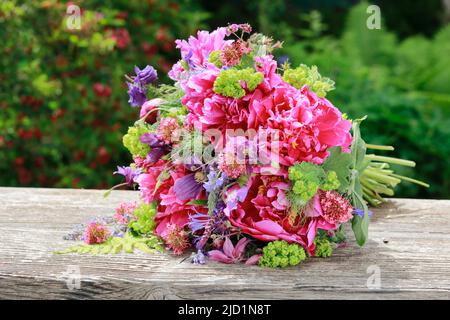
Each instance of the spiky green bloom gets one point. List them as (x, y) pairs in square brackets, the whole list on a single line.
[(310, 76), (214, 58), (145, 220), (132, 143), (305, 189), (332, 182), (306, 179), (280, 254), (324, 248), (228, 82)]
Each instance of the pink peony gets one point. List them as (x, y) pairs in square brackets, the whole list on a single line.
[(307, 126), (197, 50), (264, 214), (208, 110), (172, 210), (148, 182)]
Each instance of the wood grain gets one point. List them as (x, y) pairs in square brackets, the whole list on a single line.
[(409, 243)]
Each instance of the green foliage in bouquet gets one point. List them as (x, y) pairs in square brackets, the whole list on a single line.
[(144, 223), (132, 143), (128, 244), (280, 254)]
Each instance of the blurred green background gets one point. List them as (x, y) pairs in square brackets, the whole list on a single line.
[(63, 102)]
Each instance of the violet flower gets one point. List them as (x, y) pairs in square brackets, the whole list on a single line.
[(360, 212), (129, 174), (198, 258), (187, 187), (189, 61), (145, 76), (158, 147), (137, 95)]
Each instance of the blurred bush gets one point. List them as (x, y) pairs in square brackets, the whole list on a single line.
[(63, 104), (403, 86)]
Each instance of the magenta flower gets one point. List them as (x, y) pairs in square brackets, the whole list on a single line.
[(230, 254)]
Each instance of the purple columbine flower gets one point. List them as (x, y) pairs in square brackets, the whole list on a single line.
[(129, 174), (158, 147), (187, 187), (145, 76), (360, 212), (137, 95)]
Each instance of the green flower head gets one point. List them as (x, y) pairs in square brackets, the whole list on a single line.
[(280, 254)]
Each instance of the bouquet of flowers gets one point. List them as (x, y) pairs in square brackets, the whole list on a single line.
[(241, 160)]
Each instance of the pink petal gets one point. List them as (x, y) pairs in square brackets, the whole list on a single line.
[(219, 256), (268, 227), (228, 247), (253, 259), (240, 247)]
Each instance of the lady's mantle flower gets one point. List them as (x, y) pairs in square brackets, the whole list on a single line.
[(176, 239), (280, 254), (96, 233)]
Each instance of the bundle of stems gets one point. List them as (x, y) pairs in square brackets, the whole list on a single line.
[(379, 179)]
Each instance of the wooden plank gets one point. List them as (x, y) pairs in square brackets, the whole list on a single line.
[(409, 245)]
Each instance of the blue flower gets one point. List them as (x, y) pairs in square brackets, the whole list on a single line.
[(360, 212)]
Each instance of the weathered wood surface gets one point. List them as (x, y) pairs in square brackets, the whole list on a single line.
[(409, 243)]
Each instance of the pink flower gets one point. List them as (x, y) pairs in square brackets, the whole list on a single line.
[(264, 214), (96, 233), (149, 106), (197, 50), (176, 71), (148, 182), (124, 213), (335, 208), (231, 254), (176, 239), (172, 210), (168, 129), (307, 126)]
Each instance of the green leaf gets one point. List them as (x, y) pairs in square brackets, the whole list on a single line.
[(360, 225), (339, 162), (199, 202)]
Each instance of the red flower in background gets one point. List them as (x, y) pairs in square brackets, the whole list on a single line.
[(122, 37), (102, 90)]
